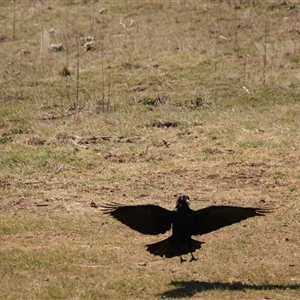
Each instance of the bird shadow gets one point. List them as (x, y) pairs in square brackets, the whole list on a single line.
[(189, 288)]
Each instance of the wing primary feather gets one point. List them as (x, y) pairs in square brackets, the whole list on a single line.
[(262, 211), (110, 207)]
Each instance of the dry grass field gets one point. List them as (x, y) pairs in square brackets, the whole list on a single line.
[(137, 102)]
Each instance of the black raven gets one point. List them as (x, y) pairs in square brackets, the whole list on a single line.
[(153, 219)]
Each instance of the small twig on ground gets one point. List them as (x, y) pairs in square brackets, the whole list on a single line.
[(59, 169), (41, 204), (80, 145)]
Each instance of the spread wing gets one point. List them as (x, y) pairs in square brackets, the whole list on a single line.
[(147, 219), (215, 217)]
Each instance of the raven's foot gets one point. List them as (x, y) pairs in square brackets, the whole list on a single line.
[(193, 257), (182, 260)]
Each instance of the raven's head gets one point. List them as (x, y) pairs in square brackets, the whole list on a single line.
[(183, 200)]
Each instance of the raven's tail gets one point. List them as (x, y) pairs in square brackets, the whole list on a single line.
[(167, 248)]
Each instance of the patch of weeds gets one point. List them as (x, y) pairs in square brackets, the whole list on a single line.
[(212, 151), (279, 175), (153, 101), (49, 106), (147, 101), (165, 124), (15, 131), (208, 151), (6, 139), (10, 135), (35, 141), (199, 102), (65, 72), (7, 112), (130, 66), (102, 106)]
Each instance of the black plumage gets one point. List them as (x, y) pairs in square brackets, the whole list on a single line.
[(185, 222)]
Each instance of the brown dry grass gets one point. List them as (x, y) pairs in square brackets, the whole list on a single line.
[(177, 101)]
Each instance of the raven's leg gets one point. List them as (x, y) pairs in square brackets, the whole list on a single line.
[(193, 257)]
